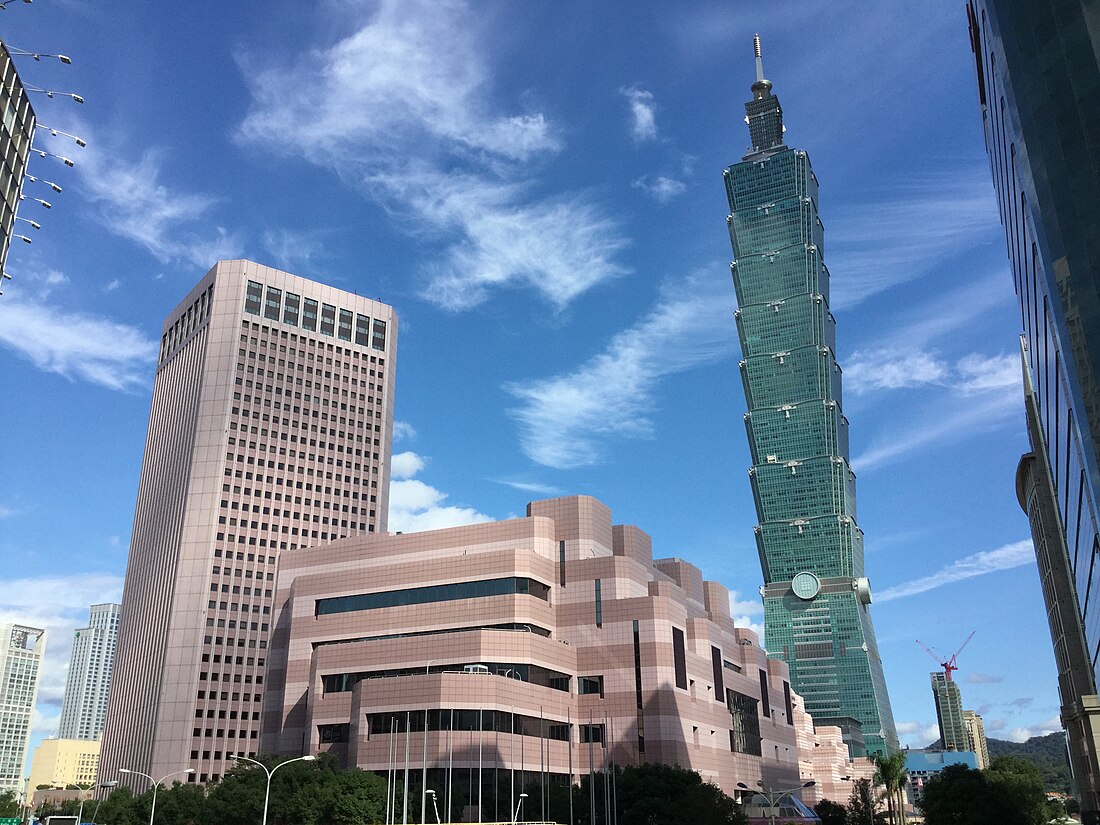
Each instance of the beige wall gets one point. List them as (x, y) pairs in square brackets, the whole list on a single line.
[(64, 761)]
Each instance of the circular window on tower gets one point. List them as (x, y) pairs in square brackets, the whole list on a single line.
[(806, 585)]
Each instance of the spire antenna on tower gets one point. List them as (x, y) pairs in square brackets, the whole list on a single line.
[(759, 60)]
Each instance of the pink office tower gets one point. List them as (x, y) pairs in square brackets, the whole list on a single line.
[(270, 430)]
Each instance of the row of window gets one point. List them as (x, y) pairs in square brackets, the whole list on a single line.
[(434, 593), (311, 315)]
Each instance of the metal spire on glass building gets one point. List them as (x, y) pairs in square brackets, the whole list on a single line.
[(811, 549)]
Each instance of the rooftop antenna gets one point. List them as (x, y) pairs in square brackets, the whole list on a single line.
[(759, 61)]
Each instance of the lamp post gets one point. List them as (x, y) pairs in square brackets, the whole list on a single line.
[(519, 807), (774, 797), (109, 786), (431, 793), (156, 785), (270, 772)]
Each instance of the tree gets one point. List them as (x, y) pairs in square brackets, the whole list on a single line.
[(651, 794), (10, 806), (831, 813), (1009, 792), (861, 806), (890, 773)]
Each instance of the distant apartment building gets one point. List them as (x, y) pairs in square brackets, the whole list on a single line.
[(922, 765), (21, 652), (61, 762), (269, 430), (534, 650), (975, 737), (949, 713), (85, 704), (1038, 83), (17, 123)]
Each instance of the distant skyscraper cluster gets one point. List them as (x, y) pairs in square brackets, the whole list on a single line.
[(1039, 90), (21, 652), (816, 598)]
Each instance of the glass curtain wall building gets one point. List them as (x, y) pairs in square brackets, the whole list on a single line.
[(811, 549), (1038, 84)]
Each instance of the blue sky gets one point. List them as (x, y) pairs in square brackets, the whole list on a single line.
[(537, 189)]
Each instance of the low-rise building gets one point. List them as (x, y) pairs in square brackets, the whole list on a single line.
[(922, 765), (536, 649), (823, 757), (61, 762)]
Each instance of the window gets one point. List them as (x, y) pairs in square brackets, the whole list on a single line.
[(344, 331), (433, 593), (638, 686), (561, 562), (787, 702), (679, 655), (291, 303), (309, 315), (719, 677), (328, 319), (273, 303), (590, 684), (362, 330), (252, 296), (379, 341), (332, 733), (765, 699), (592, 733), (745, 733), (599, 604)]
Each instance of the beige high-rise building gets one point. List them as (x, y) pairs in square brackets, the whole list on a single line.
[(270, 430), (975, 737), (21, 652), (949, 712), (61, 762)]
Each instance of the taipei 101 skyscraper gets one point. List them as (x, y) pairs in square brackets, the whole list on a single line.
[(816, 599)]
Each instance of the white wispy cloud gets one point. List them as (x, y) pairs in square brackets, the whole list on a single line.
[(59, 605), (899, 235), (294, 250), (752, 606), (643, 112), (892, 369), (530, 487), (403, 429), (403, 109), (941, 423), (564, 420), (417, 506), (976, 678), (662, 189), (77, 345), (134, 203), (1007, 557), (1022, 734), (917, 734), (406, 465)]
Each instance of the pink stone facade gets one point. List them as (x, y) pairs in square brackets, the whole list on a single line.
[(265, 436), (597, 633), (823, 757)]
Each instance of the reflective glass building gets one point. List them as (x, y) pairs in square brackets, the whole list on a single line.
[(811, 549), (1038, 78)]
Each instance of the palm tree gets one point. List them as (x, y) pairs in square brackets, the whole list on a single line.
[(890, 773)]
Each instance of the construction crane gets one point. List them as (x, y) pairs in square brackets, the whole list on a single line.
[(948, 665)]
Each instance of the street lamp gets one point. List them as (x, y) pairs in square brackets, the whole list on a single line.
[(55, 132), (42, 153), (52, 92), (6, 3), (270, 771), (431, 793), (519, 806), (109, 786), (48, 183), (774, 797), (156, 785), (64, 58)]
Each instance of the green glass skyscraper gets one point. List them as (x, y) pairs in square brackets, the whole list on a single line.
[(816, 598)]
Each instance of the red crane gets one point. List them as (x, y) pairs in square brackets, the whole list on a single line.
[(948, 665)]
